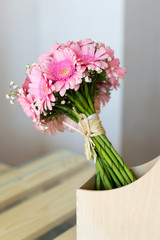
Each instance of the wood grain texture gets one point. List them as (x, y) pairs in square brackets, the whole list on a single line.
[(21, 182), (36, 216), (68, 235), (128, 213)]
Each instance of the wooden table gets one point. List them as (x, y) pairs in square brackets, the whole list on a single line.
[(38, 200)]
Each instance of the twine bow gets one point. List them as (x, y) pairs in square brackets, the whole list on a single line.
[(89, 127)]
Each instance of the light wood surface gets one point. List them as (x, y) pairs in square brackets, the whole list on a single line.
[(36, 216), (68, 235), (4, 168), (21, 182), (128, 213)]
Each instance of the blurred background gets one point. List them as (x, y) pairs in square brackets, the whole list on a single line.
[(131, 28)]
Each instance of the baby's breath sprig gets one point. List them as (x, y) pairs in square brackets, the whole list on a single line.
[(28, 67), (13, 94)]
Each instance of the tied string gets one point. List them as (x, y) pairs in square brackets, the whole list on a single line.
[(89, 127)]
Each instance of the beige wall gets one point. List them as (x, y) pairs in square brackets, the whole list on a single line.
[(141, 118)]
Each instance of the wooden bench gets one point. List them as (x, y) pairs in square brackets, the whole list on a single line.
[(68, 235), (38, 200), (4, 168)]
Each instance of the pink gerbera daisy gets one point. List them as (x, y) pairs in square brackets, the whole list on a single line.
[(80, 43), (110, 53), (46, 127), (64, 70), (41, 89), (43, 57), (27, 103), (56, 46), (90, 55), (55, 126), (101, 99), (85, 42), (25, 85), (114, 72), (103, 96)]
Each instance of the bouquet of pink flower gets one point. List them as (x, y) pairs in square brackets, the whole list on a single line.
[(64, 90)]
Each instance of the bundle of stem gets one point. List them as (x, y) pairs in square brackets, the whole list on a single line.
[(111, 170)]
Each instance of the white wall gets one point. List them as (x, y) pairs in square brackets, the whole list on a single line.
[(27, 29), (141, 117)]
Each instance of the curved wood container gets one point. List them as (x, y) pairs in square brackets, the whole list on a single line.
[(128, 213)]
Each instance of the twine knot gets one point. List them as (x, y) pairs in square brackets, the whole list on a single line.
[(89, 127)]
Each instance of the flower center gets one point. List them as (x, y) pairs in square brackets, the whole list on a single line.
[(63, 70)]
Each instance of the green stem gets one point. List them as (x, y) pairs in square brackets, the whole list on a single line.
[(112, 174), (109, 145), (98, 178), (118, 173), (114, 165), (114, 159), (98, 175), (82, 100), (103, 176), (109, 161), (78, 105), (89, 98), (68, 111)]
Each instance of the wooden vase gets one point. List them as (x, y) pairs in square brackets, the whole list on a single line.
[(127, 213)]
